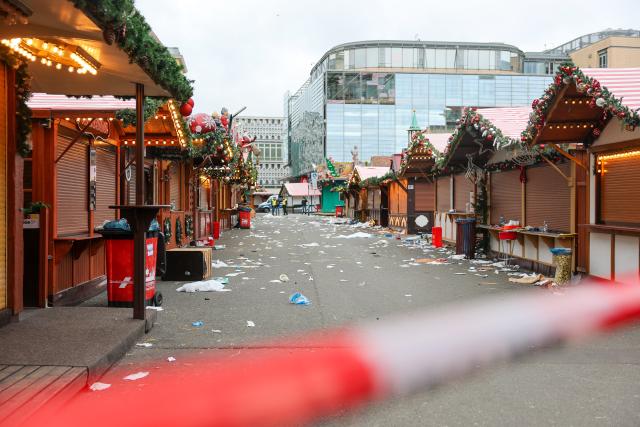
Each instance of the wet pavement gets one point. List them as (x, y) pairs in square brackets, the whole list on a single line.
[(350, 280)]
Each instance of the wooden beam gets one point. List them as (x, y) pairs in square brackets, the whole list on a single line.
[(74, 140), (569, 156)]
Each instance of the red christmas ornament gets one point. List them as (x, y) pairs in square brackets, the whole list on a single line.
[(596, 132), (224, 120), (190, 102), (490, 137), (186, 109), (201, 123)]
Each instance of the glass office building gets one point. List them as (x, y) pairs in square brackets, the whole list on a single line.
[(363, 95)]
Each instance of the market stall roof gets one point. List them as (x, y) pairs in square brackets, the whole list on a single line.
[(510, 120), (68, 53), (439, 141), (580, 102), (479, 133), (43, 101), (419, 158), (300, 189), (366, 172), (161, 130)]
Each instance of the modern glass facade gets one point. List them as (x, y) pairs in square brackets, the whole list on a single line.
[(356, 117), (363, 95)]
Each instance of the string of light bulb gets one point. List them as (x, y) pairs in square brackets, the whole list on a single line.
[(72, 58)]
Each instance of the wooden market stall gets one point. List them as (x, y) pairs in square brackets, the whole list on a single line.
[(595, 110), (367, 194), (76, 56), (501, 181), (295, 192), (417, 169), (88, 150)]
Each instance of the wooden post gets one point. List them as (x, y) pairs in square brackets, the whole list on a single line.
[(139, 229)]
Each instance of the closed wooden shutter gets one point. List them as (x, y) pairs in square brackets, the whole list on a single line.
[(105, 185), (620, 192), (462, 188), (506, 196), (402, 198), (72, 185), (548, 197), (132, 185), (425, 196), (174, 185), (371, 196), (3, 186), (443, 189)]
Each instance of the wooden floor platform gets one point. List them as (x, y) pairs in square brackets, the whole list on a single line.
[(25, 389)]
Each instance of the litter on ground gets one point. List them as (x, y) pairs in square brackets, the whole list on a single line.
[(99, 386), (299, 299), (250, 324), (203, 286), (136, 376)]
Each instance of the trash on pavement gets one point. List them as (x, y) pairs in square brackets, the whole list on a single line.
[(136, 376), (353, 236), (99, 386), (309, 245), (219, 247), (211, 285), (219, 264), (197, 324), (459, 256), (153, 307), (216, 331), (234, 274), (144, 344), (250, 324), (299, 299), (526, 279), (171, 359), (284, 278)]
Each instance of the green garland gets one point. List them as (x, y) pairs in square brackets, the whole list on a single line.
[(121, 22), (167, 230), (188, 226), (151, 107), (178, 232), (599, 96), (23, 93), (377, 180)]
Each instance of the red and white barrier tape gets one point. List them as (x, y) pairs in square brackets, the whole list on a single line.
[(290, 383)]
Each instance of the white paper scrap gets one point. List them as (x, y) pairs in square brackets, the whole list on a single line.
[(136, 376), (99, 386)]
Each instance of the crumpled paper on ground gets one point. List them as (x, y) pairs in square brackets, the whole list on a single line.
[(203, 286)]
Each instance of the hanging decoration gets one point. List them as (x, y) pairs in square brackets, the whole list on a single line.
[(166, 229), (597, 96), (151, 107), (188, 227), (23, 93), (178, 232), (187, 108)]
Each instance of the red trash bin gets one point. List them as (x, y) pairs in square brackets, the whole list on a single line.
[(245, 219), (120, 271), (216, 230), (436, 237), (339, 211)]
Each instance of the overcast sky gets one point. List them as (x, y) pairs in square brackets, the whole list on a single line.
[(249, 52)]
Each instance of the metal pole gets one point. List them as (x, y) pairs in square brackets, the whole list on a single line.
[(139, 240)]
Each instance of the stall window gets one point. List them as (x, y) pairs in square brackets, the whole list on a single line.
[(548, 197), (618, 189), (463, 193), (72, 185), (443, 191), (424, 196), (506, 196), (105, 184)]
